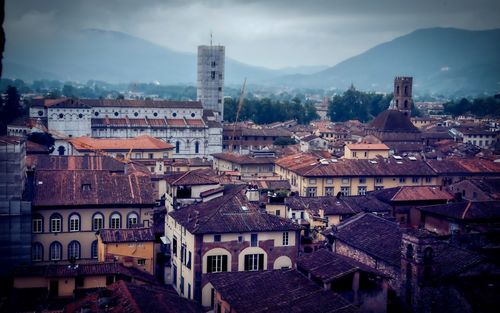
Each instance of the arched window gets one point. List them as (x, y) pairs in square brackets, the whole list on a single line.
[(74, 222), (61, 150), (196, 147), (132, 219), (37, 252), (93, 250), (115, 221), (397, 90), (55, 223), (409, 251), (37, 223), (55, 251), (97, 221), (428, 255), (177, 146), (74, 250), (406, 104)]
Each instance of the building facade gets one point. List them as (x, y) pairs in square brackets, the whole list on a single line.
[(403, 99), (210, 84), (226, 234), (70, 206), (184, 124), (15, 211), (313, 177)]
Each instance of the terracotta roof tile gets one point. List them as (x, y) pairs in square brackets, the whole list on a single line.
[(306, 164), (126, 235), (143, 142), (276, 291), (243, 158), (373, 235), (130, 297), (231, 213), (195, 122), (328, 266), (367, 146), (466, 210), (69, 188), (73, 162), (123, 103), (176, 122), (195, 177), (393, 121)]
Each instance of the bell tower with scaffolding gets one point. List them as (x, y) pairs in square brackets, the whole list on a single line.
[(210, 83)]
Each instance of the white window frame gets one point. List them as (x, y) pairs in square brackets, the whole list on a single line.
[(285, 238), (115, 219), (56, 224), (74, 250), (97, 217), (132, 216), (37, 225), (37, 254), (74, 223), (55, 248)]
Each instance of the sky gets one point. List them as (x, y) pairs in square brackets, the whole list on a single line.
[(268, 33)]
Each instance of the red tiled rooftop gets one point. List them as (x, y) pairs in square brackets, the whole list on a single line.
[(176, 122), (194, 122), (367, 146), (126, 235), (143, 142)]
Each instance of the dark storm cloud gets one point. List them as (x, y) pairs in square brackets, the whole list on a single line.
[(268, 33)]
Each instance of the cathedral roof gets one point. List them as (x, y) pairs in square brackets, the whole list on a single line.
[(393, 121)]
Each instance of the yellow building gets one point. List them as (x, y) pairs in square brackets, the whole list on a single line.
[(312, 177), (133, 247), (420, 122), (62, 280), (365, 151), (250, 167), (226, 234), (68, 207)]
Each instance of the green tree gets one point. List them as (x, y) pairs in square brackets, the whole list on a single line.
[(10, 108)]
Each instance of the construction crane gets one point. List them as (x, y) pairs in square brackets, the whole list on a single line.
[(240, 105)]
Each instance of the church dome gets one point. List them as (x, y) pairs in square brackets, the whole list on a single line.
[(393, 121)]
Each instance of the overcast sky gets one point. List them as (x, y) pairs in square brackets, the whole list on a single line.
[(270, 33)]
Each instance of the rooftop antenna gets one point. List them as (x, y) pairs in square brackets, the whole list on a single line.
[(210, 39)]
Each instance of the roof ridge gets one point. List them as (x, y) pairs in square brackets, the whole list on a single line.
[(182, 176), (466, 210), (397, 193), (350, 220), (217, 210)]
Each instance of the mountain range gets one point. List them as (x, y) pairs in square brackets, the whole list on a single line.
[(442, 60)]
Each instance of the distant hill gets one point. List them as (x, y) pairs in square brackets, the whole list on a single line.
[(117, 57), (441, 60)]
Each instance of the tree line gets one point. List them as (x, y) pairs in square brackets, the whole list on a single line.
[(480, 107), (266, 110), (10, 108), (357, 105)]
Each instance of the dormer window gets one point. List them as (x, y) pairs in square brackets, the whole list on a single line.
[(86, 187)]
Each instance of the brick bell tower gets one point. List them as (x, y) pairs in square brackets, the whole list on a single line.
[(403, 100)]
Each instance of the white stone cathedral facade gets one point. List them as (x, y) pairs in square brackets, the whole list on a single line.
[(193, 131)]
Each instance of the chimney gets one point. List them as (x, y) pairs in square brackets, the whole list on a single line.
[(252, 193)]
